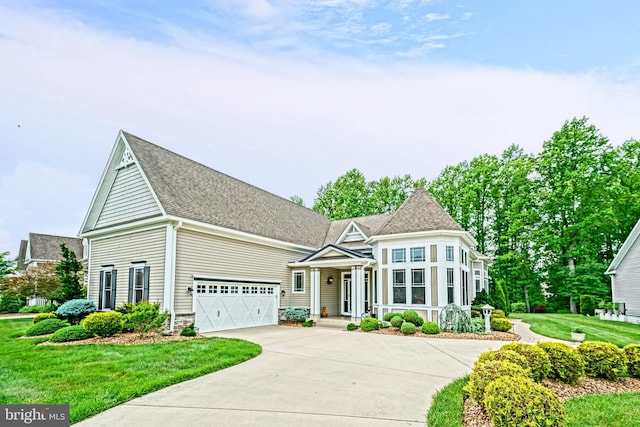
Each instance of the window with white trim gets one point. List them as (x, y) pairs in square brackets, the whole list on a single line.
[(464, 283), (478, 282), (418, 254), (399, 287), (417, 286), (107, 296), (399, 255), (449, 253), (298, 281), (139, 283), (450, 290)]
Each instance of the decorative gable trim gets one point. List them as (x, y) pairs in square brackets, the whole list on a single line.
[(127, 159), (351, 233)]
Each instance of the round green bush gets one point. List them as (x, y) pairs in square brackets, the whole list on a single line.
[(430, 328), (484, 373), (537, 359), (476, 325), (601, 359), (188, 331), (518, 307), (47, 326), (503, 355), (397, 321), (497, 314), (566, 363), (514, 401), (408, 328), (631, 354), (42, 316), (476, 314), (412, 317), (104, 324), (390, 315), (10, 304), (70, 333), (75, 310), (500, 324), (352, 327), (369, 324)]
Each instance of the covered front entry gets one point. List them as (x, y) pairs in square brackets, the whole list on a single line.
[(347, 292), (220, 305)]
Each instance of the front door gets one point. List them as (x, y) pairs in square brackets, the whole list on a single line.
[(346, 294)]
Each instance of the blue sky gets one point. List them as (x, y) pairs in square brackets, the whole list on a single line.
[(288, 95)]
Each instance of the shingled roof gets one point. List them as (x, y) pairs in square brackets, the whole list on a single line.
[(190, 190), (368, 225), (420, 212), (45, 247)]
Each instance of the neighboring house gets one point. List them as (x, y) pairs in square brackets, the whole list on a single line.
[(224, 254), (40, 249), (625, 276)]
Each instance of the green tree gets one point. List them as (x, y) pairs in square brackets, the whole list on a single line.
[(297, 200), (387, 194), (69, 272), (7, 266), (37, 282)]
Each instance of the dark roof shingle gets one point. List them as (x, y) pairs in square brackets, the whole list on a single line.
[(47, 247)]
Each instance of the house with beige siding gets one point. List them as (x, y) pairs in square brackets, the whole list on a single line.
[(625, 277), (225, 254)]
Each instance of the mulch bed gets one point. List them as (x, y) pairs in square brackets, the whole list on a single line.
[(496, 336), (131, 338), (475, 416)]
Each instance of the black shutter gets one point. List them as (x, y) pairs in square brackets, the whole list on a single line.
[(131, 271), (101, 290), (114, 282), (145, 292)]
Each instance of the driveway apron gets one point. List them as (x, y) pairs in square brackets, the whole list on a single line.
[(310, 377)]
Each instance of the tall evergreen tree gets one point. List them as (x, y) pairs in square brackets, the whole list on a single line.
[(69, 272)]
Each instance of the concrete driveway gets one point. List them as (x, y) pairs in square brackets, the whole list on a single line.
[(310, 377)]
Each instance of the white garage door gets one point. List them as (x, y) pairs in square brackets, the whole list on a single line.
[(221, 305)]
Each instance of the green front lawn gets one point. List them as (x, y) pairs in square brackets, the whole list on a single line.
[(560, 325), (92, 378)]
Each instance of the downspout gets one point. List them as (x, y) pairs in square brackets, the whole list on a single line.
[(172, 310)]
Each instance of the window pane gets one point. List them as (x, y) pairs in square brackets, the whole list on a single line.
[(417, 254), (449, 253), (417, 295), (399, 295), (398, 255)]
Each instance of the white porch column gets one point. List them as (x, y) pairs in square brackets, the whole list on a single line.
[(357, 286), (315, 292)]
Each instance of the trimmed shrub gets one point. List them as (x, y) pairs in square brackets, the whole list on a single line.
[(38, 308), (104, 324), (144, 317), (566, 363), (518, 307), (390, 315), (486, 372), (188, 331), (500, 324), (430, 328), (412, 317), (309, 323), (631, 354), (397, 321), (125, 308), (537, 359), (408, 328), (47, 326), (75, 310), (43, 316), (369, 324), (352, 327), (503, 356), (296, 314), (519, 401), (475, 313), (587, 305), (10, 304), (70, 333), (497, 314), (601, 359)]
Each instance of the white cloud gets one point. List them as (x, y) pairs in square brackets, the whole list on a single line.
[(466, 16), (430, 17)]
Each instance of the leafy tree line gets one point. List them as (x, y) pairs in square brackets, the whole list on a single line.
[(552, 222), (58, 282)]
